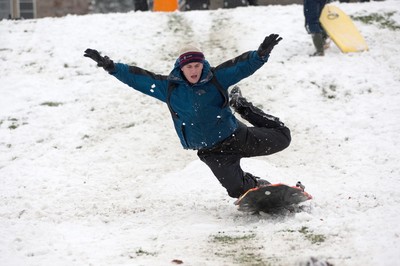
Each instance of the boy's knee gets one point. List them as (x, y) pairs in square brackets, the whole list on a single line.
[(288, 137), (283, 139)]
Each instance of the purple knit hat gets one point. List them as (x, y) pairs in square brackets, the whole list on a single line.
[(189, 54)]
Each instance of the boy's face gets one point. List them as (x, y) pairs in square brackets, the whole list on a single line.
[(192, 71)]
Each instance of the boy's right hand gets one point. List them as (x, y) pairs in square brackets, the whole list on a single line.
[(102, 61)]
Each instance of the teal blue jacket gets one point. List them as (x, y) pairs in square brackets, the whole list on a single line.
[(199, 111)]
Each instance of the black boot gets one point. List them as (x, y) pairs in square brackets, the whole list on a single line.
[(251, 113), (259, 182), (319, 41), (235, 97)]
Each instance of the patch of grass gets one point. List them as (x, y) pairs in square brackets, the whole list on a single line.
[(51, 104), (383, 20), (14, 123), (329, 91), (225, 239), (141, 252), (240, 248), (313, 238), (129, 125), (13, 126)]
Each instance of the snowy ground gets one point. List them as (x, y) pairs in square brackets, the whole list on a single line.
[(92, 173)]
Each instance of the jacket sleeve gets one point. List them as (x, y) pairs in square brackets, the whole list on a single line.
[(238, 68), (142, 80)]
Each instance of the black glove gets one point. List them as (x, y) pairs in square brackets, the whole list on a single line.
[(268, 44), (102, 61)]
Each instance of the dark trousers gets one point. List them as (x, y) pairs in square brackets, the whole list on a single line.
[(267, 136), (253, 2), (141, 5), (312, 11)]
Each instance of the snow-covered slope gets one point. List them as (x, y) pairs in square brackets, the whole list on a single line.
[(92, 173)]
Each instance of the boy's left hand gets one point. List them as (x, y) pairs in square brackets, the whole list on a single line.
[(268, 44)]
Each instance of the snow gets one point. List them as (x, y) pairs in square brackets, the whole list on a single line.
[(92, 172)]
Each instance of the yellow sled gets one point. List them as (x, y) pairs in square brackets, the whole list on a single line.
[(342, 30)]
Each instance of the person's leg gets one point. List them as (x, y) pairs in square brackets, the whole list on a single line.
[(319, 42), (312, 12), (253, 2), (228, 172), (261, 141), (141, 5), (224, 162), (269, 134)]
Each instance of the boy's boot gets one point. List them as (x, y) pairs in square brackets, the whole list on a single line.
[(251, 113), (258, 181)]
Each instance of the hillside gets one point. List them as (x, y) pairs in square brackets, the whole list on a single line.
[(92, 172)]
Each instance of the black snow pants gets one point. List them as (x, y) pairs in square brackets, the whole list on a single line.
[(267, 136)]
